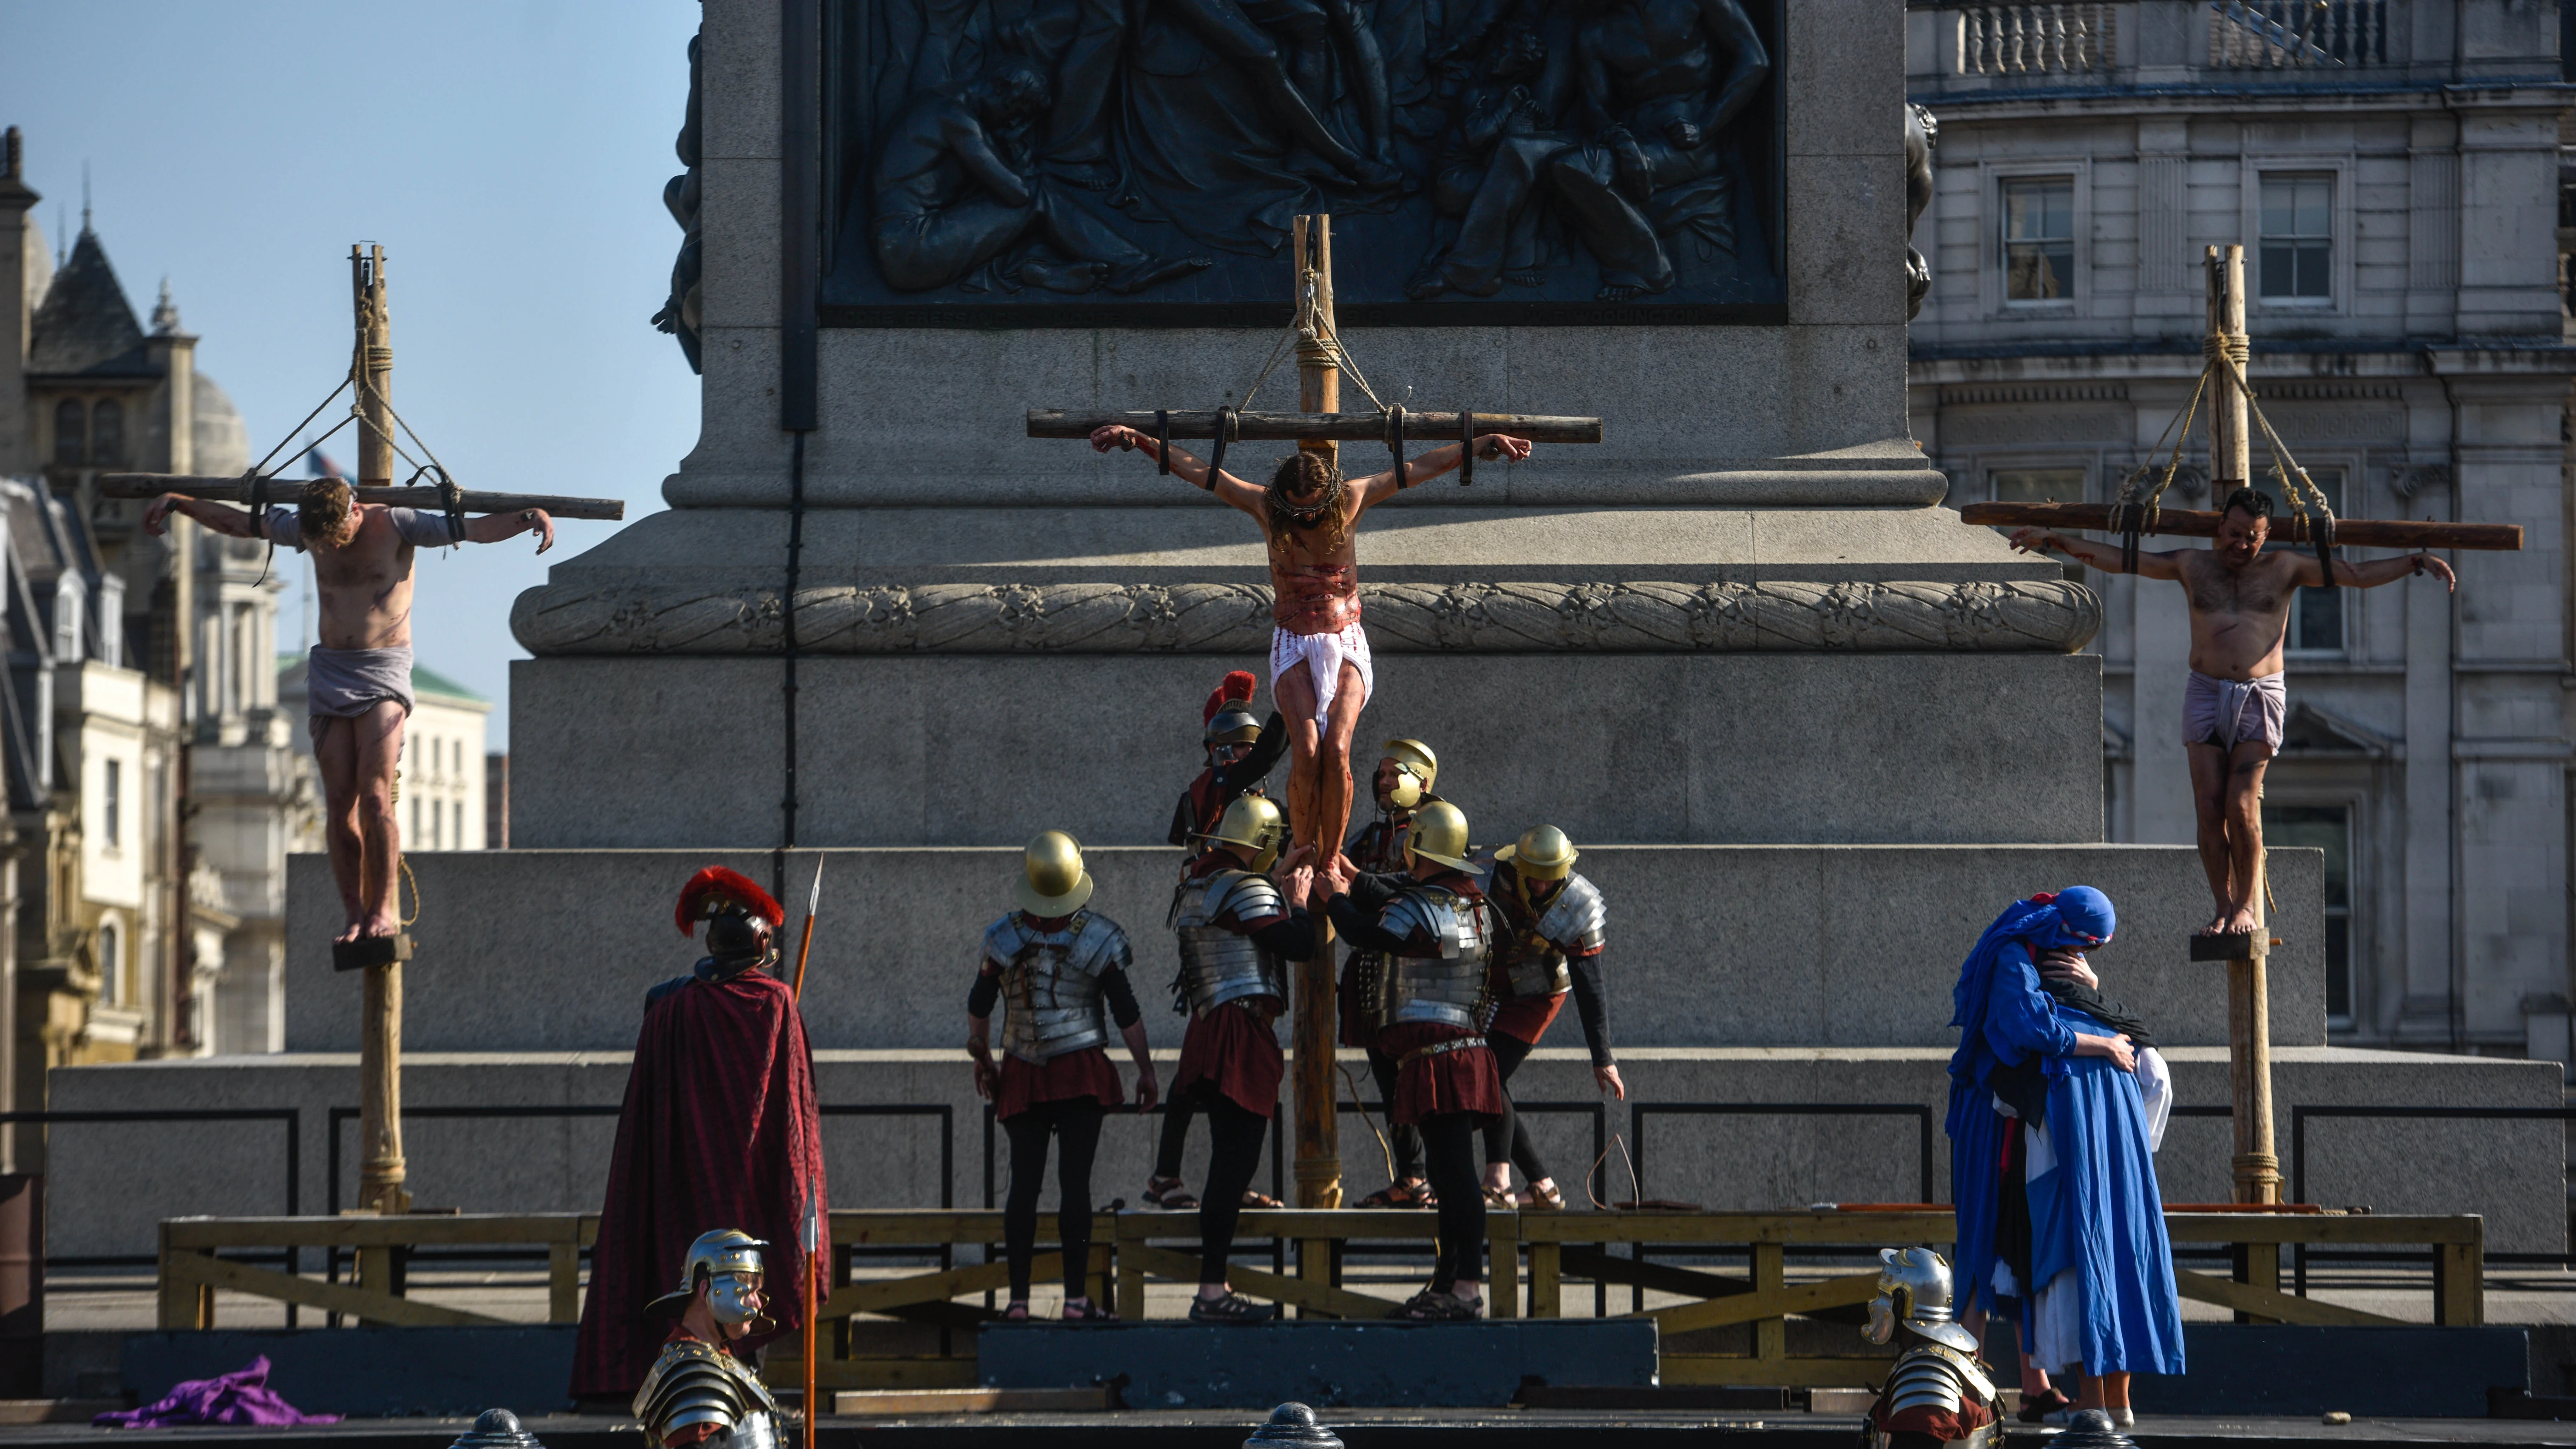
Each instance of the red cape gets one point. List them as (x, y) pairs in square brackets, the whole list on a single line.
[(719, 1131)]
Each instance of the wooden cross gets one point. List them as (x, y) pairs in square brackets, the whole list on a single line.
[(1321, 426)]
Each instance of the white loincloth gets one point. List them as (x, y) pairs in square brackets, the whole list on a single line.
[(1322, 654)]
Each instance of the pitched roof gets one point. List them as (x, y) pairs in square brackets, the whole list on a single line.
[(85, 327)]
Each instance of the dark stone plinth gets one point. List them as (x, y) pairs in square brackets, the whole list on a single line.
[(2397, 1373), (1337, 1364)]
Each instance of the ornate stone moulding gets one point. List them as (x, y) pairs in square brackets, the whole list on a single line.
[(2051, 617)]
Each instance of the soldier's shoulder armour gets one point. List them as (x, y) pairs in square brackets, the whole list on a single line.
[(1576, 918), (1244, 895), (1422, 910), (1098, 944), (695, 1382), (1005, 938)]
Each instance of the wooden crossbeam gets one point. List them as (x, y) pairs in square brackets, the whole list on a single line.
[(1425, 429), (2273, 1304), (1301, 1292), (2200, 523), (202, 1270), (282, 491), (1754, 1306), (877, 1295)]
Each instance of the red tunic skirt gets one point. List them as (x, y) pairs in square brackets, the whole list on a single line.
[(1085, 1073), (1527, 1018), (1464, 1080), (1235, 1054)]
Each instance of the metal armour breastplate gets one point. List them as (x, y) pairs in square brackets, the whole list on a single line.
[(1448, 987), (694, 1384), (1573, 921), (1051, 984), (1929, 1377), (1218, 965)]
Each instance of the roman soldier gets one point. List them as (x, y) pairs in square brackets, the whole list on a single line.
[(1550, 948), (1937, 1391), (698, 1392), (1062, 970), (1239, 930), (720, 1126), (1240, 753), (1402, 785), (1434, 931)]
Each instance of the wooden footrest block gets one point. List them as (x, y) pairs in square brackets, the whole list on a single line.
[(2234, 946), (368, 951)]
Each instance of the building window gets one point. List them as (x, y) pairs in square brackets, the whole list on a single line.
[(2327, 828), (2316, 615), (460, 825), (71, 433), (2039, 240), (111, 963), (112, 805), (107, 432), (2297, 250)]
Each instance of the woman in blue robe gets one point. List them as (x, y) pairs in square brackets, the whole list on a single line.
[(2102, 1287)]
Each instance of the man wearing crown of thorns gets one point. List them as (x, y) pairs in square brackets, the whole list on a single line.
[(1319, 657)]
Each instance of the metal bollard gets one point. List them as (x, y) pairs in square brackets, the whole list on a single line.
[(1292, 1426), (496, 1429), (2092, 1429)]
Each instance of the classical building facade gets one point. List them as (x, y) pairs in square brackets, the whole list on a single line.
[(2392, 169), (153, 792)]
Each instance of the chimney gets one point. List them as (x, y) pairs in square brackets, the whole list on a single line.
[(17, 313)]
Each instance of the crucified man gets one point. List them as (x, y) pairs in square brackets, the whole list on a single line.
[(358, 679), (2235, 701), (1319, 657)]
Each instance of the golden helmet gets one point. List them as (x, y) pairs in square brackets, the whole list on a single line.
[(1255, 821), (1052, 881), (1416, 769), (1438, 832), (1542, 854)]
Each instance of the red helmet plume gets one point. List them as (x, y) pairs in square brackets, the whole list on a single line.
[(1236, 688), (712, 890)]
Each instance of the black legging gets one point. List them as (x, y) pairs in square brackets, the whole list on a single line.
[(1449, 1156), (1234, 1153), (1075, 1122), (1505, 1133), (1176, 1136), (1404, 1143)]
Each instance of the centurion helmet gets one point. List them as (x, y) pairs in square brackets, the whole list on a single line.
[(1438, 832), (1253, 821), (1233, 725), (1415, 770), (1542, 854), (725, 1257), (1914, 1289), (1052, 880), (742, 920)]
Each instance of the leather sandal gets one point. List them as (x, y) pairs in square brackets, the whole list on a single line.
[(1433, 1306), (1400, 1195), (1168, 1194), (1017, 1312), (2035, 1409), (1263, 1200), (1501, 1199), (1087, 1311), (1548, 1199)]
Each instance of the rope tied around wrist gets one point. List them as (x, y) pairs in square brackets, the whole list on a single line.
[(451, 501), (1162, 440), (1395, 444), (1216, 456), (1466, 448), (259, 520)]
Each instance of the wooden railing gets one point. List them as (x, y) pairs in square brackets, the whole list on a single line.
[(1531, 1254)]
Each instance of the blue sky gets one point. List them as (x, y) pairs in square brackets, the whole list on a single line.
[(508, 154)]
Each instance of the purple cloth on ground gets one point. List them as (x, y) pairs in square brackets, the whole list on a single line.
[(240, 1397)]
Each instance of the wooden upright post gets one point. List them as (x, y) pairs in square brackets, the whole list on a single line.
[(1316, 1031), (2249, 1017), (380, 1172)]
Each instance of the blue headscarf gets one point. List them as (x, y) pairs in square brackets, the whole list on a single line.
[(2078, 916)]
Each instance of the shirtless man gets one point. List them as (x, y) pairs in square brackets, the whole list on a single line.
[(2234, 704), (358, 679), (1319, 657)]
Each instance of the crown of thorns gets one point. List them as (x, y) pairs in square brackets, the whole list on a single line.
[(1305, 512)]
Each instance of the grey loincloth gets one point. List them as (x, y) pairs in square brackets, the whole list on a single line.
[(342, 683)]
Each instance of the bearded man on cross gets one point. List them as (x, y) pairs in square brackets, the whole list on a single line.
[(1320, 673)]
